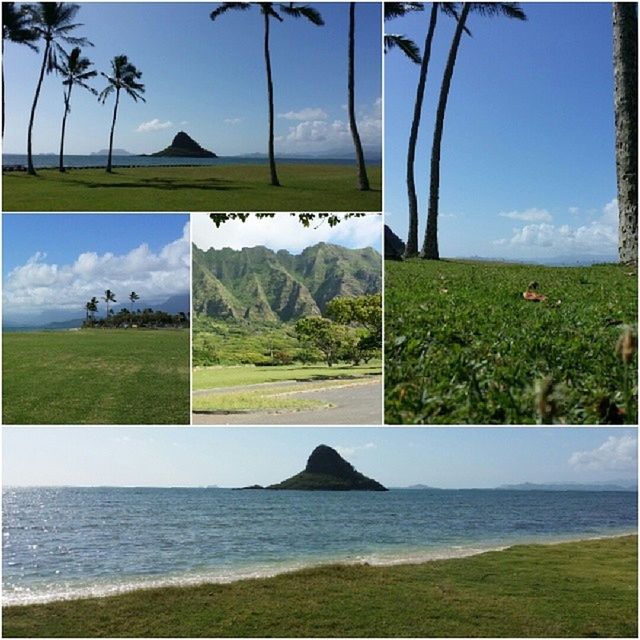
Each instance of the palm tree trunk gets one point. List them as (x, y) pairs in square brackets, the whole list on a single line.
[(267, 59), (411, 249), (363, 180), (30, 168), (625, 55), (430, 246), (67, 99), (113, 126)]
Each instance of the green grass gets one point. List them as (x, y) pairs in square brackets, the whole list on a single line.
[(213, 188), (580, 589), (101, 376), (220, 376), (462, 346)]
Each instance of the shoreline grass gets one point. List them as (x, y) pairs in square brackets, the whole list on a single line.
[(96, 376), (572, 589), (312, 187)]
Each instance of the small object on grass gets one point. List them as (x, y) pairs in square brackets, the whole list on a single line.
[(531, 296), (627, 345)]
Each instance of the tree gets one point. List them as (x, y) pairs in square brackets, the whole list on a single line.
[(16, 27), (52, 21), (510, 10), (268, 11), (625, 66), (75, 70), (133, 296), (392, 40), (109, 296), (363, 180), (124, 76), (323, 334)]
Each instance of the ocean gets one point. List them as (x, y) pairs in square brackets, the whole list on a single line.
[(42, 161), (62, 543)]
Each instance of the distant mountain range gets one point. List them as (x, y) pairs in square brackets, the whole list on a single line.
[(260, 285), (65, 319), (615, 485), (115, 152)]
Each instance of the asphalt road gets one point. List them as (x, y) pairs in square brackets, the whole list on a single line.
[(359, 403)]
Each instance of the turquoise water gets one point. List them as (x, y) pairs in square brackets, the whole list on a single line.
[(71, 542)]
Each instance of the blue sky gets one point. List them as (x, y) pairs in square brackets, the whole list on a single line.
[(452, 457), (528, 167), (59, 261), (208, 79), (286, 232)]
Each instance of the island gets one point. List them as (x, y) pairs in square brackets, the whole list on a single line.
[(183, 146), (326, 470)]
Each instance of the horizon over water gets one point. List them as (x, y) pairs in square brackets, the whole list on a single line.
[(72, 542)]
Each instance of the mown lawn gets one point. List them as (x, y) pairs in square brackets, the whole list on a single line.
[(100, 376), (579, 589), (225, 188), (462, 346), (231, 376)]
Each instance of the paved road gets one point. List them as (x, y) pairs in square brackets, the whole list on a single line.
[(357, 403)]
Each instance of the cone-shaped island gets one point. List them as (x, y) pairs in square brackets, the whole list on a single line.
[(327, 470)]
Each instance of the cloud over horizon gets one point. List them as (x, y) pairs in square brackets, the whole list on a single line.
[(616, 454), (153, 125)]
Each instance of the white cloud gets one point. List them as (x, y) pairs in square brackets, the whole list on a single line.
[(529, 215), (37, 286), (284, 232), (597, 238), (349, 451), (305, 114), (232, 120), (616, 453), (153, 125)]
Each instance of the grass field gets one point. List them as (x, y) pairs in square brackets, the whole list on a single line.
[(579, 589), (462, 346), (219, 188), (220, 376), (101, 376)]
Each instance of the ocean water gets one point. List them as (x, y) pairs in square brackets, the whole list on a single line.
[(49, 160), (61, 543)]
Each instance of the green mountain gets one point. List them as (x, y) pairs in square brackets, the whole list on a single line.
[(257, 284)]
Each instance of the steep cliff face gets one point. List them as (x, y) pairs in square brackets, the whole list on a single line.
[(183, 146), (258, 284)]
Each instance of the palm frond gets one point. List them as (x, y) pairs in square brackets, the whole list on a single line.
[(17, 26), (406, 45), (303, 11), (451, 9), (399, 9), (507, 9), (229, 6)]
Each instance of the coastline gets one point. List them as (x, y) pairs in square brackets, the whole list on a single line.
[(574, 589), (287, 567)]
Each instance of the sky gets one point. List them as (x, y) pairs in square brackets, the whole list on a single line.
[(208, 79), (59, 261), (286, 232), (528, 164), (450, 457)]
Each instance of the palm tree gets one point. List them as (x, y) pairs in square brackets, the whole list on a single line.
[(109, 296), (363, 180), (133, 296), (16, 27), (268, 11), (625, 66), (508, 9), (52, 21), (74, 70), (125, 77), (94, 306), (391, 40)]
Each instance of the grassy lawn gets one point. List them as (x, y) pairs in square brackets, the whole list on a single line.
[(581, 589), (220, 376), (101, 376), (218, 188), (462, 346)]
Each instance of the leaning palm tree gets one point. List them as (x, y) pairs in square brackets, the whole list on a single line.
[(75, 70), (133, 296), (392, 40), (125, 77), (16, 27), (268, 11), (109, 296), (52, 21), (625, 66), (508, 9), (363, 179)]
